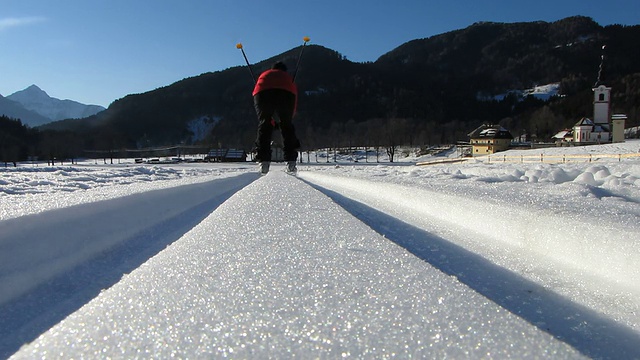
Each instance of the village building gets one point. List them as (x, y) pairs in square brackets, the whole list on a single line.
[(565, 135), (226, 155), (588, 131), (489, 139)]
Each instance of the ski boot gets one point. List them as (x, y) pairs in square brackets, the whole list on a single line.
[(291, 167), (264, 167)]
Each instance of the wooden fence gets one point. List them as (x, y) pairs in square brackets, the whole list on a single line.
[(555, 158), (442, 161), (538, 158)]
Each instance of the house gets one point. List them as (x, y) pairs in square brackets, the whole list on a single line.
[(226, 155), (565, 135), (215, 155), (489, 139), (617, 127), (235, 155)]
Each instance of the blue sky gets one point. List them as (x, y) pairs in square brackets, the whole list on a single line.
[(101, 50)]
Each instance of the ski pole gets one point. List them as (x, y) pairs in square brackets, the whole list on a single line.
[(239, 46), (306, 39)]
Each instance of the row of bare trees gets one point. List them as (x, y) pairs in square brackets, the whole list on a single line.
[(379, 133), (388, 134)]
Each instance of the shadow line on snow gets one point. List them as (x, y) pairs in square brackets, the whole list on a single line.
[(30, 315), (580, 327)]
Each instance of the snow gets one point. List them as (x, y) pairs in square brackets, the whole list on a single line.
[(201, 127), (541, 92), (471, 259)]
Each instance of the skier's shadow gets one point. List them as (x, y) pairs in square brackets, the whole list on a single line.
[(582, 328)]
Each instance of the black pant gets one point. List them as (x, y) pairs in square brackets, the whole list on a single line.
[(275, 105)]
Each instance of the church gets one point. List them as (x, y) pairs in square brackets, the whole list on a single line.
[(604, 127)]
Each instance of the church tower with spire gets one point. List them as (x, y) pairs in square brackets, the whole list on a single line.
[(602, 106), (601, 95), (604, 127)]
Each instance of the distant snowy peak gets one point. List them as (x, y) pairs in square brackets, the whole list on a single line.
[(37, 100)]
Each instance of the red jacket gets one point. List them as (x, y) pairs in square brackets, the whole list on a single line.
[(275, 79)]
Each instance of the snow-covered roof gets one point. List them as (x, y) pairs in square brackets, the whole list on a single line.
[(594, 127), (562, 134), (490, 131), (584, 122)]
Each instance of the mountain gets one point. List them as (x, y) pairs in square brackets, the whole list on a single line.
[(36, 100), (15, 110), (426, 91)]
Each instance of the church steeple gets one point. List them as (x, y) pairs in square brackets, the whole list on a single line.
[(601, 70), (601, 95)]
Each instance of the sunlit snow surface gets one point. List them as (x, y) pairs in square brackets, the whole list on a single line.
[(459, 260), (49, 187), (262, 278)]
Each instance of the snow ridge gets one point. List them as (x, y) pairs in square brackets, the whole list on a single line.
[(504, 225)]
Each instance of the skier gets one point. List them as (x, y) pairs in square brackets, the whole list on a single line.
[(275, 99)]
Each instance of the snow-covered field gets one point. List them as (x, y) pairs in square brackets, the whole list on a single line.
[(464, 260)]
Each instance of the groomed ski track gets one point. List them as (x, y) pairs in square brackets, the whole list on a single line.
[(307, 267)]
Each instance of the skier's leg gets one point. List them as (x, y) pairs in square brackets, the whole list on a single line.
[(291, 144), (263, 140), (264, 109), (290, 141)]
